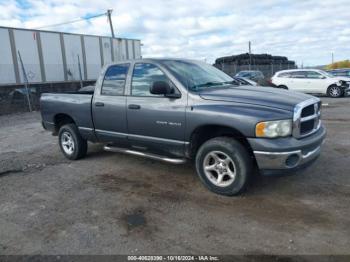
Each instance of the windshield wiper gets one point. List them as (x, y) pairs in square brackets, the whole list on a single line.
[(207, 84), (210, 84), (233, 82)]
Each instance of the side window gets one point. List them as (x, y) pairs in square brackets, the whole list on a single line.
[(284, 75), (298, 74), (144, 76), (313, 75), (114, 80)]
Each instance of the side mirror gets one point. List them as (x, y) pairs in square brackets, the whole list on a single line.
[(163, 88), (160, 88)]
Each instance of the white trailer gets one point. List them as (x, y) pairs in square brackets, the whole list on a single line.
[(51, 57)]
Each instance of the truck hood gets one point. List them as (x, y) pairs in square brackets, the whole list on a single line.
[(256, 95)]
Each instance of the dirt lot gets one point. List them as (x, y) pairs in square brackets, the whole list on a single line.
[(118, 204)]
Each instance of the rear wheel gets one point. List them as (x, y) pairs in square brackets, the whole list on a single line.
[(72, 145), (224, 166), (334, 91), (283, 87)]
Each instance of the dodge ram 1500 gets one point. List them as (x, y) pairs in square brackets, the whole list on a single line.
[(176, 110)]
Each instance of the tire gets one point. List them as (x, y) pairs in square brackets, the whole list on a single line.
[(334, 91), (238, 168), (72, 145), (283, 87)]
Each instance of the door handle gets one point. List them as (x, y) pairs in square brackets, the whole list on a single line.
[(99, 104), (132, 106)]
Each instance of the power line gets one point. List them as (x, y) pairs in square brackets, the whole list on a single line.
[(72, 21)]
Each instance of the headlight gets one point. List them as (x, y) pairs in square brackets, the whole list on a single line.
[(272, 129)]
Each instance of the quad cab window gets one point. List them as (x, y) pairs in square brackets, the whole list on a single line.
[(114, 80)]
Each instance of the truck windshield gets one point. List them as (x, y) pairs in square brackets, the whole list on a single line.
[(198, 76)]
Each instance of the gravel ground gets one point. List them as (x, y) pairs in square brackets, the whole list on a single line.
[(119, 204)]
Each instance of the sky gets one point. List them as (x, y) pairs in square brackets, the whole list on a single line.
[(306, 31)]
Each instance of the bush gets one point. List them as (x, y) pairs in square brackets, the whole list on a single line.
[(339, 64)]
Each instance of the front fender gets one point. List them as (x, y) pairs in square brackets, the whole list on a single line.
[(242, 117)]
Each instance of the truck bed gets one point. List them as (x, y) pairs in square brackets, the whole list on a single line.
[(77, 105)]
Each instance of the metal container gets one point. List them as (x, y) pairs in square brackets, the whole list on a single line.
[(50, 57)]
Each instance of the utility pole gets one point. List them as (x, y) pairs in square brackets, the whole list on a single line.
[(109, 12), (332, 58), (250, 55)]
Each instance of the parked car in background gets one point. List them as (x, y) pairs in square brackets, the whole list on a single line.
[(244, 81), (254, 75), (312, 81), (340, 72), (176, 110)]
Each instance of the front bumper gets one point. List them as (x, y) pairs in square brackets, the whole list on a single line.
[(347, 91), (283, 155)]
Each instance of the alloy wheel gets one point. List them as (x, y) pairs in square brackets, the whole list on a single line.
[(67, 142), (334, 91), (219, 168)]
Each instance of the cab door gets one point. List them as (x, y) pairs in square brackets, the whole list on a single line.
[(109, 106), (155, 122)]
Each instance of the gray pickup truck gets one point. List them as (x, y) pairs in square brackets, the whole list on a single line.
[(176, 110)]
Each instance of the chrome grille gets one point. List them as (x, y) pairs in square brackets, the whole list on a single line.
[(306, 120)]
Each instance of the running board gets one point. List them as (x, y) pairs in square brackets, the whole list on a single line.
[(147, 155)]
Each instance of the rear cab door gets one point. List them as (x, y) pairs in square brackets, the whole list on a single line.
[(109, 105)]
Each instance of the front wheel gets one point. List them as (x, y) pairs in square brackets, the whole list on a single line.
[(72, 145), (334, 91), (224, 166)]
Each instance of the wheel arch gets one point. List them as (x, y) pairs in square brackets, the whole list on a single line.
[(335, 85), (205, 132), (283, 87), (62, 119)]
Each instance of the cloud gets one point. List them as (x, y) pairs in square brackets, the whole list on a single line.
[(306, 31)]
